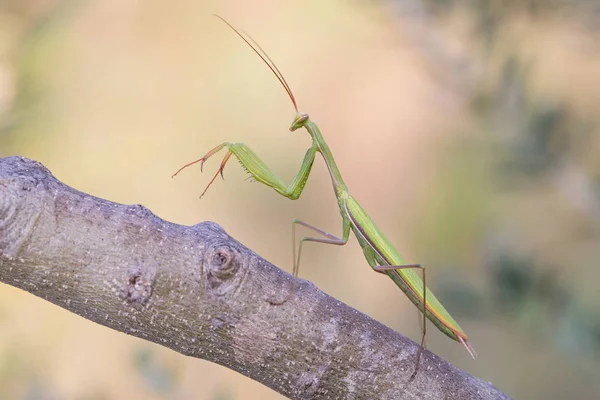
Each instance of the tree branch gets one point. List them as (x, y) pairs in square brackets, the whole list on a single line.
[(201, 293)]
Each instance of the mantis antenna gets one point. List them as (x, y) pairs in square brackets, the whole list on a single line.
[(263, 56)]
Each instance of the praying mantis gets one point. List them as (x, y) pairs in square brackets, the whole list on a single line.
[(378, 250)]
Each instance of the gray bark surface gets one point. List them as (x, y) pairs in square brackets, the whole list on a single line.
[(198, 291)]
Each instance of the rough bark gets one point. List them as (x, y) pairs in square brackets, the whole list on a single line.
[(196, 290)]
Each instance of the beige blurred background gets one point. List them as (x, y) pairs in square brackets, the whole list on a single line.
[(469, 130)]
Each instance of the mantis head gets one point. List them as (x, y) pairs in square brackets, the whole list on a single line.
[(299, 121)]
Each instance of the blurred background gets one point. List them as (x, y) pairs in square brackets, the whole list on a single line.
[(468, 129)]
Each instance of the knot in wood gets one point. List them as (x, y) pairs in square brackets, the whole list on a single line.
[(137, 289), (222, 262)]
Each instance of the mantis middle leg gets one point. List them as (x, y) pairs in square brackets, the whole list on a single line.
[(328, 239)]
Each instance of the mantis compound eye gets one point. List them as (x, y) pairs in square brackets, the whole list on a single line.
[(299, 122)]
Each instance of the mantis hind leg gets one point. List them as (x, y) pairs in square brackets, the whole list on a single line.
[(327, 239), (384, 269)]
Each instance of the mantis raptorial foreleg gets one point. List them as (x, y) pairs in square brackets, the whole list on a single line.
[(258, 169)]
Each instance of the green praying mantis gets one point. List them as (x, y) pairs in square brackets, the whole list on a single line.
[(378, 250)]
